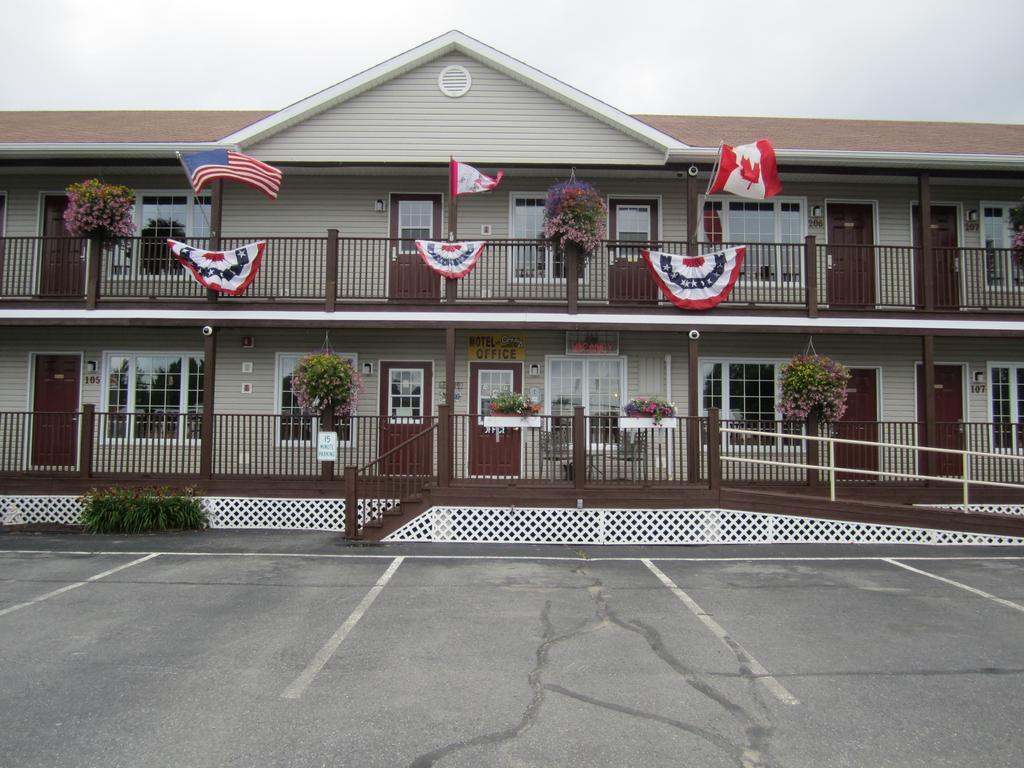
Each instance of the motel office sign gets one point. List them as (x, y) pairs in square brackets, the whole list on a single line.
[(497, 347)]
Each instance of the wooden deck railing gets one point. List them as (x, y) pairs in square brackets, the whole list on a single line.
[(334, 270)]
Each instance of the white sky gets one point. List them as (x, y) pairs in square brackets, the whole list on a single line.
[(884, 59)]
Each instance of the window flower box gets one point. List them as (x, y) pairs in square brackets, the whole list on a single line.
[(648, 422), (511, 421)]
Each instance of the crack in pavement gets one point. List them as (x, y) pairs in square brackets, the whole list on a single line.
[(755, 754)]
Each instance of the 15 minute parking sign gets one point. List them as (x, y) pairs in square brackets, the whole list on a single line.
[(327, 446)]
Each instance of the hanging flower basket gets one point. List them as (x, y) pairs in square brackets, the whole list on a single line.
[(511, 410), (1017, 232), (326, 383), (646, 412), (574, 213), (813, 384), (98, 209)]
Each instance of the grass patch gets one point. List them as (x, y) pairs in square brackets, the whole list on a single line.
[(141, 510)]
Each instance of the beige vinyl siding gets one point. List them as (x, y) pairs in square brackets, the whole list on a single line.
[(500, 120)]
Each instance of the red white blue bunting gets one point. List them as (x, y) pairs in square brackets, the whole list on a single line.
[(696, 282), (451, 260), (228, 272)]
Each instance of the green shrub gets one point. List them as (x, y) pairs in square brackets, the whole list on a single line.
[(140, 510)]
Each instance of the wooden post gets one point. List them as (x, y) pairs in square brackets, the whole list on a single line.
[(572, 277), (924, 239), (209, 382), (331, 276), (692, 410), (327, 425), (928, 384), (87, 430), (451, 286), (811, 275), (813, 475), (444, 445), (579, 447), (714, 450), (216, 220), (93, 271), (691, 215), (351, 503), (449, 367)]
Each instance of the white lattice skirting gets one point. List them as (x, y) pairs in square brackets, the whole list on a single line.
[(222, 512), (514, 525)]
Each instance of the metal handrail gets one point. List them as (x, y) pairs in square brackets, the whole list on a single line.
[(833, 470)]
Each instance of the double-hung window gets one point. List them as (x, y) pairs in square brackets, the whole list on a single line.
[(298, 426), (772, 229), (160, 216), (536, 261), (153, 396), (1007, 407), (595, 383), (1002, 270)]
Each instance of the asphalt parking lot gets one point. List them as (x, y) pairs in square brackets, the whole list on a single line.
[(228, 649)]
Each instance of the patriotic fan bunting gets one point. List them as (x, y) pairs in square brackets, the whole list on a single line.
[(228, 272), (451, 260), (696, 282)]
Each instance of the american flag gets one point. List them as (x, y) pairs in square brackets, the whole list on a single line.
[(204, 167)]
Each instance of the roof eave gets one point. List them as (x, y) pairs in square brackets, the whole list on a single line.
[(102, 149), (878, 159)]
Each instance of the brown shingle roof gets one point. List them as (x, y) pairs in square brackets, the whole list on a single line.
[(122, 126), (851, 135)]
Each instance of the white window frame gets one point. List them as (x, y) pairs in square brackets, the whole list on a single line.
[(734, 441), (1008, 258), (129, 437), (727, 236), (1015, 407), (279, 360), (549, 250), (133, 270), (585, 389)]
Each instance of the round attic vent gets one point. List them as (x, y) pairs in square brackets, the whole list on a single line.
[(454, 81)]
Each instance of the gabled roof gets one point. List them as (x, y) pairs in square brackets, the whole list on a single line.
[(451, 42), (845, 135)]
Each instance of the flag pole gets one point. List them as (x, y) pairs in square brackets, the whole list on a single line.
[(216, 217)]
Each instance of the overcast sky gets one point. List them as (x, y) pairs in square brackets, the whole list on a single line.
[(883, 59)]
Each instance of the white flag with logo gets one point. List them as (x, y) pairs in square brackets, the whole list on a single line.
[(465, 179)]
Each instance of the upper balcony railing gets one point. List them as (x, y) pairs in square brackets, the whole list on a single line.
[(334, 270)]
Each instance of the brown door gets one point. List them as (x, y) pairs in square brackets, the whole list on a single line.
[(55, 403), (949, 415), (493, 454), (405, 408), (629, 282), (860, 422), (62, 267), (413, 217), (945, 241), (851, 264)]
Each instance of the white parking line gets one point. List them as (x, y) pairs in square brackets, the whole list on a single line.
[(76, 585), (980, 593), (299, 685), (742, 654)]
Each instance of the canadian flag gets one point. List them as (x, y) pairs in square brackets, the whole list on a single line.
[(465, 179), (748, 170)]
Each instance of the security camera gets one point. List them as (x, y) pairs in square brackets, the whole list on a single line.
[(692, 170), (694, 335), (207, 330)]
